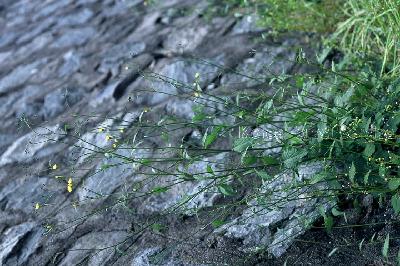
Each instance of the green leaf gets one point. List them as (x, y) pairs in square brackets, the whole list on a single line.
[(217, 223), (105, 166), (300, 82), (145, 161), (199, 115), (336, 212), (240, 114), (382, 171), (366, 177), (365, 124), (209, 169), (394, 183), (188, 177), (385, 248), (328, 222), (242, 144), (157, 227), (369, 150), (295, 140), (226, 189), (301, 117), (321, 130), (263, 175), (158, 190), (291, 157), (248, 159), (318, 177), (352, 172), (269, 160), (268, 105), (210, 138), (396, 203)]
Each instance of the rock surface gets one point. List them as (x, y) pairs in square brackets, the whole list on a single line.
[(86, 76)]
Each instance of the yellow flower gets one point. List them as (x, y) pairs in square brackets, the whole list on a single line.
[(114, 145), (69, 185), (108, 137), (101, 129), (196, 94), (197, 75), (146, 109), (37, 206), (121, 130)]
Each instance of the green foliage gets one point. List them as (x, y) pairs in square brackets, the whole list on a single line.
[(312, 16), (385, 248)]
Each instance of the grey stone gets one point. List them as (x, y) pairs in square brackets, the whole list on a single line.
[(143, 258), (48, 71), (36, 30), (34, 46), (118, 8), (104, 96), (57, 101), (7, 38), (116, 55), (10, 239), (37, 144), (154, 256), (47, 8), (100, 183), (72, 62), (92, 141), (4, 56), (175, 78), (117, 88), (18, 76), (265, 65), (31, 241), (7, 103), (185, 39), (29, 108), (298, 209), (85, 2), (24, 102), (76, 18), (247, 24), (203, 192), (93, 241), (74, 37), (5, 140), (28, 190)]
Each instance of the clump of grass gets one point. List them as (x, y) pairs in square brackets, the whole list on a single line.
[(293, 15), (372, 27)]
